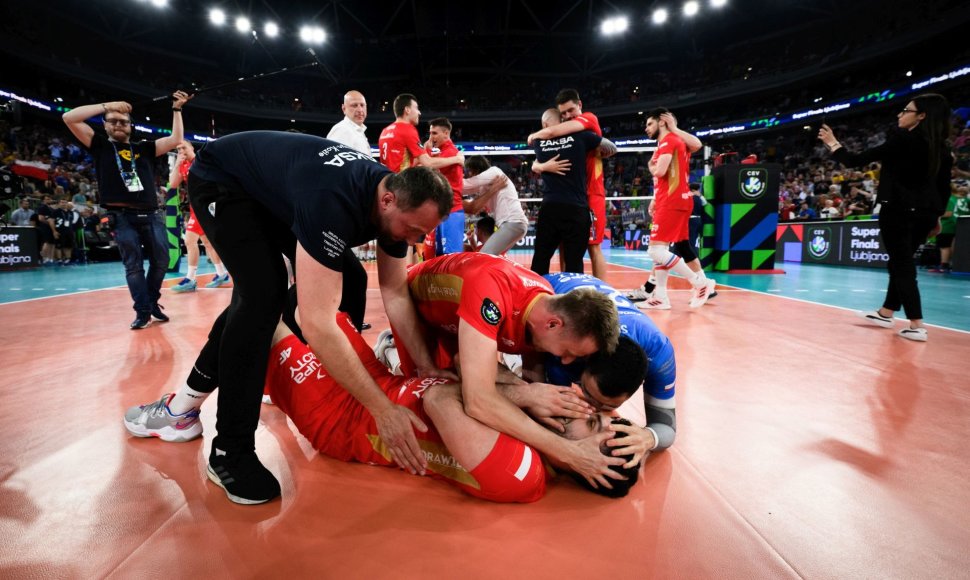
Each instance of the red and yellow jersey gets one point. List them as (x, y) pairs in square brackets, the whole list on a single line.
[(594, 163), (399, 146), (671, 190), (455, 174), (491, 293)]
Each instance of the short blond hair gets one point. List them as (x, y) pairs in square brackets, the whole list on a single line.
[(588, 312)]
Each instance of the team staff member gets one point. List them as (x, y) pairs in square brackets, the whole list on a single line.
[(193, 231), (351, 129), (126, 189), (672, 206), (659, 379), (564, 218), (914, 186), (574, 120), (450, 235), (479, 305), (312, 199)]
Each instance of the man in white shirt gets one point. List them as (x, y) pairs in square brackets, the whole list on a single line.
[(350, 131)]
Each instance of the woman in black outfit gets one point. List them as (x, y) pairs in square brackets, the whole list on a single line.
[(913, 189)]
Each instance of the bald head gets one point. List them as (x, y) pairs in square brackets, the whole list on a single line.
[(550, 117), (355, 107)]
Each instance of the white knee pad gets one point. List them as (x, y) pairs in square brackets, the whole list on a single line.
[(662, 256)]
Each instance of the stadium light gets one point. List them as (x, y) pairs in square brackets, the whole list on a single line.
[(718, 3), (243, 24), (271, 29), (691, 8), (312, 35), (217, 16), (160, 3), (616, 25), (659, 16)]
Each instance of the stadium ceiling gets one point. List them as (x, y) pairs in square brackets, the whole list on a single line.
[(447, 41)]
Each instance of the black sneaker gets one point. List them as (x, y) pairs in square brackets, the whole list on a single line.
[(141, 321), (157, 313), (242, 476)]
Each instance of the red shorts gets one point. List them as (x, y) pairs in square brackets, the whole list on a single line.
[(670, 225), (597, 207), (512, 472), (192, 224)]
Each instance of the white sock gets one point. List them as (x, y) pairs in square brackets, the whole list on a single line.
[(661, 281), (220, 269), (191, 273), (186, 399)]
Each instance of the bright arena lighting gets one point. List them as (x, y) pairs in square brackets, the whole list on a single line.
[(243, 24), (160, 3), (217, 16), (271, 29), (659, 16), (617, 25), (691, 8), (312, 34), (718, 3)]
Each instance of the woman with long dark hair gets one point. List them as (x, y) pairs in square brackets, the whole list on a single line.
[(913, 189)]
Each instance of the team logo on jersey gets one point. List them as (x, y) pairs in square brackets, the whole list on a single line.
[(753, 183), (490, 312), (819, 242)]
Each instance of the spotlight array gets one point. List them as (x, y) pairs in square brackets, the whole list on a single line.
[(660, 15), (308, 33)]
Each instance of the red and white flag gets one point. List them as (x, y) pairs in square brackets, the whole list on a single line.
[(32, 169)]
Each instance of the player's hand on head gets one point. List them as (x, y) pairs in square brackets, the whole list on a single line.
[(630, 439), (396, 425), (549, 401), (589, 462)]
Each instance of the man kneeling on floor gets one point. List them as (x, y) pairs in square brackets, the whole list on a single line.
[(460, 450)]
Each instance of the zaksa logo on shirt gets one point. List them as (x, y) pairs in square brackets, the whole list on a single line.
[(342, 157), (554, 142)]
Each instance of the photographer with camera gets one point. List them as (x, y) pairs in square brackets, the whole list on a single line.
[(126, 185)]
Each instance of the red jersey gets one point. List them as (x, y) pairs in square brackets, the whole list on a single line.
[(492, 293), (337, 425), (594, 163), (455, 174), (672, 190), (184, 168), (399, 146)]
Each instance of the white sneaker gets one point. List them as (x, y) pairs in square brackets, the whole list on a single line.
[(700, 296), (874, 317), (637, 295), (513, 362), (655, 303), (385, 343), (917, 334), (156, 420)]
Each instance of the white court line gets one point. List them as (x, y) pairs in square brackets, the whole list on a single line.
[(858, 290), (2, 304), (830, 290), (792, 298)]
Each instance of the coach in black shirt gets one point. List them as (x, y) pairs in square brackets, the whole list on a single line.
[(564, 219), (126, 188), (262, 194)]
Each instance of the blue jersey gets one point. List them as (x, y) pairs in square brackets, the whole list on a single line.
[(661, 366)]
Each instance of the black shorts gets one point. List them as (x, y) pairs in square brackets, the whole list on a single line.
[(45, 234), (66, 240), (944, 240)]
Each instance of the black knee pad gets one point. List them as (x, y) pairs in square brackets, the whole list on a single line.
[(685, 250)]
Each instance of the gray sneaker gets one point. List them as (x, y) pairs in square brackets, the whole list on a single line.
[(637, 295), (156, 420)]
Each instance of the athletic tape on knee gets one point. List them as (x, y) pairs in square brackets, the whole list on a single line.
[(663, 258)]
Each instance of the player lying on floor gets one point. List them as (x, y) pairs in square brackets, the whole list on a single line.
[(460, 450)]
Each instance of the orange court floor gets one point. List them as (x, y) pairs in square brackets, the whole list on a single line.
[(809, 445)]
